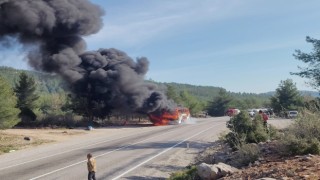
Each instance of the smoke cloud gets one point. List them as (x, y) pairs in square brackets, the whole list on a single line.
[(52, 31)]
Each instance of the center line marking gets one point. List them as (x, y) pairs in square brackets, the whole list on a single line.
[(166, 150), (100, 142), (71, 165)]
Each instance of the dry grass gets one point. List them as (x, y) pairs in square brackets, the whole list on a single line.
[(67, 133), (11, 142), (13, 139)]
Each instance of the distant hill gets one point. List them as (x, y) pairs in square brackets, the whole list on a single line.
[(310, 93), (203, 93), (47, 83), (50, 83), (303, 93), (207, 93)]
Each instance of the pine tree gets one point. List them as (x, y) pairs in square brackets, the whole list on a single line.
[(312, 59), (172, 94), (220, 104), (189, 101), (26, 92), (287, 97), (8, 110)]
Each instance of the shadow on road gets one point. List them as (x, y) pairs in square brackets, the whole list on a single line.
[(157, 145)]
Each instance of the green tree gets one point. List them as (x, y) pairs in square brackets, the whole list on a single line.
[(312, 71), (287, 97), (184, 98), (25, 90), (239, 104), (86, 106), (172, 94), (78, 105), (190, 102), (220, 104), (8, 111), (52, 103)]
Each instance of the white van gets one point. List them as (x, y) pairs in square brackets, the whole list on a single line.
[(292, 114)]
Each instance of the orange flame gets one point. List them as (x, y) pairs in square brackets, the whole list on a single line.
[(176, 116)]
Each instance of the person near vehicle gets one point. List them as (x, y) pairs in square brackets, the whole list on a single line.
[(92, 167), (265, 118)]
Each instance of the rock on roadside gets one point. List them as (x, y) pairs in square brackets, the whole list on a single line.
[(215, 171)]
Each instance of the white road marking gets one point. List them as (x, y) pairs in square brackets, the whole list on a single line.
[(86, 160), (45, 157), (71, 165), (166, 150)]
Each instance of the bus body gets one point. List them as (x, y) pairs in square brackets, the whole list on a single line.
[(165, 117)]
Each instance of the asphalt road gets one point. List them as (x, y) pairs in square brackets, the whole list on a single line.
[(128, 153)]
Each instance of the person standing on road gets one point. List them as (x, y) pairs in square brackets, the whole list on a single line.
[(92, 167)]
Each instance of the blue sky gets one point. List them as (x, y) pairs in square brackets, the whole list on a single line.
[(240, 45)]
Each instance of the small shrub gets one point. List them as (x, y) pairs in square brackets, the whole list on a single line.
[(188, 174), (314, 147), (240, 123), (298, 146), (307, 125), (259, 132), (244, 130), (222, 136), (235, 139), (66, 121), (247, 153), (240, 126), (273, 132), (293, 145), (303, 136)]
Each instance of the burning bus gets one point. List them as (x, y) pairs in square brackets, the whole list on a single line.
[(232, 112), (166, 117)]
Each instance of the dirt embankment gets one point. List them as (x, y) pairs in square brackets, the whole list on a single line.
[(270, 164), (273, 165)]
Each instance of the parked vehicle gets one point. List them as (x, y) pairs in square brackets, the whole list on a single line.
[(251, 112), (292, 114), (232, 112)]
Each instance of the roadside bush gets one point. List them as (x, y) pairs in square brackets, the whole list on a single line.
[(303, 136), (259, 133), (57, 120), (240, 127), (273, 132), (247, 153), (243, 130), (188, 174), (313, 105), (314, 147), (300, 146), (307, 125)]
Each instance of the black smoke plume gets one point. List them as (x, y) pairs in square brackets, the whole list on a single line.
[(52, 31)]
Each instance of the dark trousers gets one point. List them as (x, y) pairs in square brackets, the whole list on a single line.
[(265, 124), (92, 175)]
